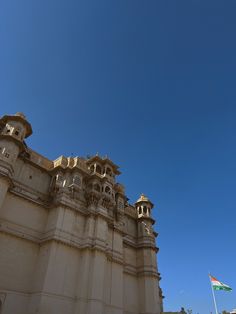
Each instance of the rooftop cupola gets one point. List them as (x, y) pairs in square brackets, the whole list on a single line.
[(143, 206), (15, 126)]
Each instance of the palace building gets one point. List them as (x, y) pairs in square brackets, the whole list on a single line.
[(70, 243)]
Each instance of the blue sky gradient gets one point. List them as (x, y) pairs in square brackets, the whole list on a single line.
[(152, 85)]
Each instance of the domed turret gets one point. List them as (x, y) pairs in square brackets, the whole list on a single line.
[(13, 130), (15, 126), (144, 206)]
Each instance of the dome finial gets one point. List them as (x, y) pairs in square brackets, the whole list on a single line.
[(143, 198)]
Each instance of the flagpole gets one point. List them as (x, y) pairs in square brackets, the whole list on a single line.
[(213, 295)]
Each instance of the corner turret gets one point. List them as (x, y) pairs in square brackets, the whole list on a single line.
[(15, 126), (144, 212), (13, 130), (150, 294)]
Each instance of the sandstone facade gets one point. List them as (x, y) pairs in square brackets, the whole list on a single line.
[(70, 243)]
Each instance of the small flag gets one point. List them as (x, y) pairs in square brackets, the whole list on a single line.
[(217, 285)]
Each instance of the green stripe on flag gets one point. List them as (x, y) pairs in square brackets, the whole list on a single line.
[(222, 288)]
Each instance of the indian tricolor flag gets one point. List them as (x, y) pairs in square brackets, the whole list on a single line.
[(217, 285)]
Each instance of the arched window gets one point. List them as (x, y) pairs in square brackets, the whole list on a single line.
[(92, 168), (97, 187), (144, 209), (98, 169), (140, 210), (108, 171)]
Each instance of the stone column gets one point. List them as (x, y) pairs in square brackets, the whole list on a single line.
[(83, 277), (116, 288), (55, 277), (98, 267), (92, 268), (85, 266), (96, 283)]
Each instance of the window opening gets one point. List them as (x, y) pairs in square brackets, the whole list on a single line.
[(98, 169), (107, 190)]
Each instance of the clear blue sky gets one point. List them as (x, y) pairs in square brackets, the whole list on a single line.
[(151, 84)]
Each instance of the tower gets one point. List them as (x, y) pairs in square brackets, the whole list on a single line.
[(149, 291), (13, 130)]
